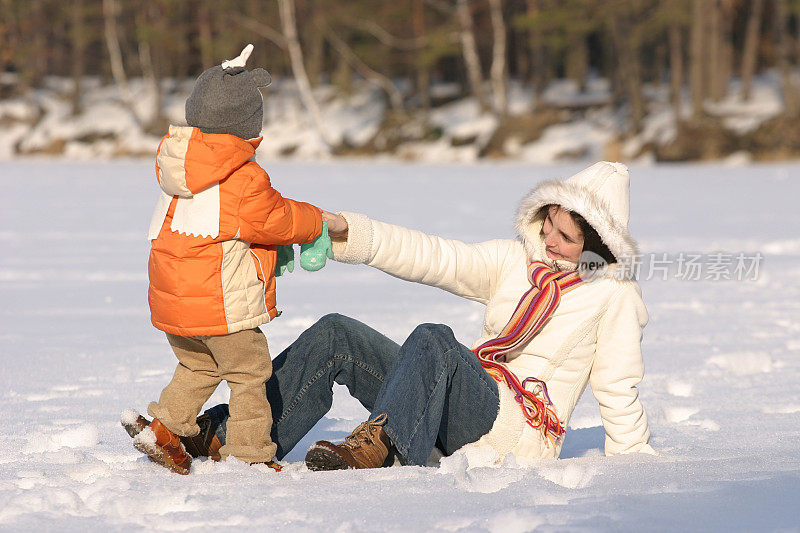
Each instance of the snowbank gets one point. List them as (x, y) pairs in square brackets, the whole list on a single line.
[(42, 123)]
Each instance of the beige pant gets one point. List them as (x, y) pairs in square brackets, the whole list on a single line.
[(242, 359)]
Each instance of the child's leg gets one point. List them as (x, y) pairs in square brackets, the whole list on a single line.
[(244, 362), (194, 381)]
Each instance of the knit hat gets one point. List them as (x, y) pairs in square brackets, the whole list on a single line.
[(600, 193), (226, 99)]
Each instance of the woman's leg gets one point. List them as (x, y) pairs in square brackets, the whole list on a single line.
[(437, 389), (335, 349)]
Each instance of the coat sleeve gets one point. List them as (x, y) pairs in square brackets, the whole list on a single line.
[(467, 270), (266, 217), (617, 370)]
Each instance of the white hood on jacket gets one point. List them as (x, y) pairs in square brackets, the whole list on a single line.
[(601, 194)]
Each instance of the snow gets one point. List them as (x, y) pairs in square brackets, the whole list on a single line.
[(578, 139), (721, 386), (129, 416), (743, 116), (146, 438)]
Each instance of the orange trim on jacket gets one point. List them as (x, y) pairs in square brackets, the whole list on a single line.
[(205, 285)]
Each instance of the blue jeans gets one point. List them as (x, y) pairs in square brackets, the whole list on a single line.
[(432, 388)]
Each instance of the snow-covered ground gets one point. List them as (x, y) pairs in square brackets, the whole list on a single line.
[(41, 121), (722, 386)]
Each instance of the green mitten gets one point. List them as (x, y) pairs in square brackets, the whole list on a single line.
[(313, 254), (285, 260)]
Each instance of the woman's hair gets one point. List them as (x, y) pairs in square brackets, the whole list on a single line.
[(591, 239)]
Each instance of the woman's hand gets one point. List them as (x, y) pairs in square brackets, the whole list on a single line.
[(337, 225)]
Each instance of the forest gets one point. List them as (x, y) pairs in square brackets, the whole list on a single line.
[(685, 54)]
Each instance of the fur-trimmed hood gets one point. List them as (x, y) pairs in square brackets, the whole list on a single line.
[(601, 194)]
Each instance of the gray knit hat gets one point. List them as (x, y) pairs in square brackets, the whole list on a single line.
[(226, 99)]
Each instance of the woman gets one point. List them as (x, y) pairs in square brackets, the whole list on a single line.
[(549, 329)]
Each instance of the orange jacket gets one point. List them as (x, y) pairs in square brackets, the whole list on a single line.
[(222, 280)]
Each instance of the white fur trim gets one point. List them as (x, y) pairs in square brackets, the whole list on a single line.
[(241, 60), (358, 247), (588, 198)]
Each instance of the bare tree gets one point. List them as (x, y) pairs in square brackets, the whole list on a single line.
[(78, 60), (110, 14), (697, 57), (627, 46), (423, 80), (713, 49), (725, 62), (675, 68), (149, 23), (469, 49), (537, 50), (35, 63), (751, 42), (790, 91), (316, 44), (289, 25), (498, 68), (205, 35)]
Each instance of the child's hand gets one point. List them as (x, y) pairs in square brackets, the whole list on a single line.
[(313, 255), (285, 260)]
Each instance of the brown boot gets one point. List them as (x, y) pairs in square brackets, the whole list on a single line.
[(163, 447), (204, 444), (367, 446)]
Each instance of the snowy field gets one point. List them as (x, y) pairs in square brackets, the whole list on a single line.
[(722, 386)]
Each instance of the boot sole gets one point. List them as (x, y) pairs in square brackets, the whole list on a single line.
[(158, 456), (320, 459)]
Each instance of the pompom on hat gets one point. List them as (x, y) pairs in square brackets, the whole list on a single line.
[(226, 99)]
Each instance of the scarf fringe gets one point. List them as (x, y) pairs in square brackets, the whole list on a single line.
[(534, 309)]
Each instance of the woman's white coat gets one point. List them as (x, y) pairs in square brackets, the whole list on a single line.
[(593, 337)]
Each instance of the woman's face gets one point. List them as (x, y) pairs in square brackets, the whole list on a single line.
[(563, 238)]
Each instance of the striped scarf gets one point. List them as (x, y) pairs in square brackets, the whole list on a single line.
[(534, 309)]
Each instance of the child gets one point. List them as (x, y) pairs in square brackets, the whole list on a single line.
[(214, 235)]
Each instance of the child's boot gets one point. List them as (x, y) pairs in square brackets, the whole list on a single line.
[(204, 444), (163, 447)]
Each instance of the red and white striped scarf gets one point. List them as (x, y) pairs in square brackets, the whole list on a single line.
[(535, 307)]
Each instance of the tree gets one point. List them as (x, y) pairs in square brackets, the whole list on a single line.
[(698, 57), (751, 42), (627, 39), (78, 48), (469, 49), (788, 87), (499, 67), (151, 29), (111, 35), (289, 25)]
